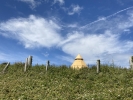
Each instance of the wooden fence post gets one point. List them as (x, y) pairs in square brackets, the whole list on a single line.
[(131, 62), (26, 64), (98, 66), (30, 61), (47, 64), (6, 67)]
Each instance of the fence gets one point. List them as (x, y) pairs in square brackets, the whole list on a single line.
[(28, 64)]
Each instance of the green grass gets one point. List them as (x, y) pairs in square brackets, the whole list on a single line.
[(63, 83)]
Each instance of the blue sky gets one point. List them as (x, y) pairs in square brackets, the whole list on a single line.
[(58, 30)]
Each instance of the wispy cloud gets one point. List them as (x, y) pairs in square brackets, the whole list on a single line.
[(73, 9), (33, 4), (19, 57), (107, 17), (94, 46), (3, 56), (46, 54), (123, 2), (12, 57), (100, 39), (32, 32), (61, 2)]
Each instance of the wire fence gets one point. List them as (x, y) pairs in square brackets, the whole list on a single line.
[(114, 63)]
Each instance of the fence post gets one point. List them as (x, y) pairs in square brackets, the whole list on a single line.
[(6, 67), (47, 64), (30, 61), (26, 64), (131, 62), (98, 66)]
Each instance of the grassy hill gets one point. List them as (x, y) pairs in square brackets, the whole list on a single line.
[(63, 83)]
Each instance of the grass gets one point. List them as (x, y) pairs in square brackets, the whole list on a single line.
[(63, 83)]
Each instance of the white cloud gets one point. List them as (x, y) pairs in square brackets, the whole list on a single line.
[(73, 9), (100, 39), (93, 47), (61, 2), (32, 32), (32, 3), (123, 2), (46, 54), (101, 18)]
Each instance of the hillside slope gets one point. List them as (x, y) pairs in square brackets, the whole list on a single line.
[(63, 83)]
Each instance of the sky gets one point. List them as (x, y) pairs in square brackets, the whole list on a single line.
[(59, 30)]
